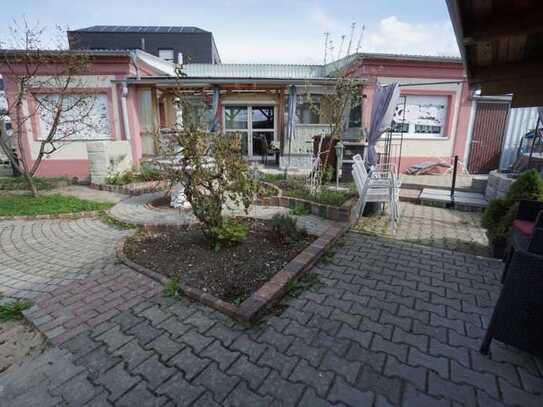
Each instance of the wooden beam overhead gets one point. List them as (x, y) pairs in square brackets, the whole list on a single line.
[(518, 71), (503, 24), (527, 99)]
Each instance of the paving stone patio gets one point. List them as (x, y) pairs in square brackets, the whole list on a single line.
[(390, 324), (432, 226), (39, 256)]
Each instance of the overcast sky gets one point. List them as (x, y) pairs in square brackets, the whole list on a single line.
[(263, 31)]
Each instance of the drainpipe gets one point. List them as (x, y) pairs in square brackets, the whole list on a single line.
[(124, 108), (133, 58)]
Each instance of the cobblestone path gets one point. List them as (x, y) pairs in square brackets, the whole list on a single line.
[(389, 324)]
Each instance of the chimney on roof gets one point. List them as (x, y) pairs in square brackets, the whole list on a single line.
[(143, 44)]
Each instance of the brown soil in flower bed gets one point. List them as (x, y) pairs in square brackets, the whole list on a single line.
[(230, 273), (162, 203)]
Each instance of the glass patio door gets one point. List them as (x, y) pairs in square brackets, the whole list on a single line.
[(256, 126)]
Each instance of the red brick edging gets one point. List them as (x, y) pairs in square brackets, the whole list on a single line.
[(337, 213), (70, 215), (268, 294), (137, 188)]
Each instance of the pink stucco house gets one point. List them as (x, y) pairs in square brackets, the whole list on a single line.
[(135, 104)]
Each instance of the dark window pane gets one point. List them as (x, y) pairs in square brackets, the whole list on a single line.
[(262, 117), (355, 117), (400, 127), (262, 142), (421, 128)]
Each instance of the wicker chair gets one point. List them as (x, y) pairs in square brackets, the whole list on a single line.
[(518, 315), (526, 231)]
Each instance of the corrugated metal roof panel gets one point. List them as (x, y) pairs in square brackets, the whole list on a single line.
[(274, 71), (519, 122)]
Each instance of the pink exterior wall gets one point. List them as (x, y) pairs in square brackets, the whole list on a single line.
[(54, 165), (459, 103)]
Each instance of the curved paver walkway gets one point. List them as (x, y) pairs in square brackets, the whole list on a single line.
[(39, 256), (389, 324), (133, 210)]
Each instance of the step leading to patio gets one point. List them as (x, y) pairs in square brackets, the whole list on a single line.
[(464, 201)]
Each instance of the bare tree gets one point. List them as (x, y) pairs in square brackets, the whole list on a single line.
[(335, 108), (44, 88)]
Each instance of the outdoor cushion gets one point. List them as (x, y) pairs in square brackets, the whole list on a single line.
[(524, 226)]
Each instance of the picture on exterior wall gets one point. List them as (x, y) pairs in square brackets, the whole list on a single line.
[(424, 115), (85, 119)]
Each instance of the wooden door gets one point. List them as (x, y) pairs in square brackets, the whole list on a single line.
[(487, 137)]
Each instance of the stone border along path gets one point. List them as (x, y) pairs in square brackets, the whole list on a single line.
[(390, 324)]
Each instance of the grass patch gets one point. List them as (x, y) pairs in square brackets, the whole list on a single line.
[(14, 310), (295, 187), (114, 223), (171, 288), (272, 178), (19, 183), (26, 205), (325, 197), (307, 280)]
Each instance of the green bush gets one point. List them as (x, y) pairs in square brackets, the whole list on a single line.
[(284, 229), (143, 174), (300, 210), (529, 185), (500, 213), (230, 233)]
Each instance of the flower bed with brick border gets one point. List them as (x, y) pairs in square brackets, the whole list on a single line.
[(267, 295), (337, 213), (137, 188)]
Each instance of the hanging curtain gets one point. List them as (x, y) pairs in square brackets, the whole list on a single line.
[(291, 110), (385, 100), (215, 112)]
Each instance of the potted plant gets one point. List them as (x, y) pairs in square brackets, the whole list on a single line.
[(501, 212)]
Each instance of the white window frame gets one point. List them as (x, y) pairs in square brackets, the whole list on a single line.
[(106, 127), (250, 129), (443, 135)]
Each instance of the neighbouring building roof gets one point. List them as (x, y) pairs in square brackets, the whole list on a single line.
[(87, 52), (268, 71), (148, 29)]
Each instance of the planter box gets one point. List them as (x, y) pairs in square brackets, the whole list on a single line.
[(337, 213)]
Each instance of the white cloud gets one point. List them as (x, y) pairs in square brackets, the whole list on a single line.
[(281, 50), (396, 36), (390, 35)]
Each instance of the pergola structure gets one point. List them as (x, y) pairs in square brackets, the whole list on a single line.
[(501, 42)]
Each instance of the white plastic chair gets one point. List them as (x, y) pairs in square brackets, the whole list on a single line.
[(379, 186)]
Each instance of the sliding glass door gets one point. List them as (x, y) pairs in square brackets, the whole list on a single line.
[(256, 126)]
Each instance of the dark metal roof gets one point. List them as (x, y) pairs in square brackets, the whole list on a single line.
[(52, 53), (148, 29)]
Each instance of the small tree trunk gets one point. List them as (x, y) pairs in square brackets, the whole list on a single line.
[(30, 183)]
